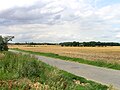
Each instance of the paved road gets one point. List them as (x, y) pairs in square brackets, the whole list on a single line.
[(98, 74)]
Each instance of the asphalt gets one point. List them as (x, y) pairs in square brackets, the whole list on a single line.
[(98, 74)]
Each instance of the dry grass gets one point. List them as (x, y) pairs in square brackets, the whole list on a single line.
[(109, 54), (28, 84), (1, 55)]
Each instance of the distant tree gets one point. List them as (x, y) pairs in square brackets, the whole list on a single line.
[(75, 43), (4, 42), (90, 44)]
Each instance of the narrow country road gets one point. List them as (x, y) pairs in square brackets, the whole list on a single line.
[(98, 74)]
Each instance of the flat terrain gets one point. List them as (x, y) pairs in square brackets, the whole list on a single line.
[(99, 74), (109, 54)]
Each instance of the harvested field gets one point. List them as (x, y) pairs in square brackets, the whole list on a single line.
[(109, 54)]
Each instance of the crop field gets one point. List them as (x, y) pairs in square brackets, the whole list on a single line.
[(107, 54)]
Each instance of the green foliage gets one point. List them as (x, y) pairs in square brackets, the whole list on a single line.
[(4, 41), (90, 44), (21, 72)]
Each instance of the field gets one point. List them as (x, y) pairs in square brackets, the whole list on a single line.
[(107, 54), (23, 72)]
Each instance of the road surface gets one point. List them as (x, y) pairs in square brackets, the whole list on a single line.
[(94, 73)]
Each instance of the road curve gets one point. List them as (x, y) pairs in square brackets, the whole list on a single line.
[(94, 73)]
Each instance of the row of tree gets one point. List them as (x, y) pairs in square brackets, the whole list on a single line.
[(89, 44), (74, 44), (33, 43)]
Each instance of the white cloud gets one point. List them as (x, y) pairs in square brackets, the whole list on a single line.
[(60, 20), (109, 12), (6, 4), (118, 35)]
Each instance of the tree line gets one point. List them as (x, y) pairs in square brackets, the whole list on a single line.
[(89, 44), (33, 43), (74, 44)]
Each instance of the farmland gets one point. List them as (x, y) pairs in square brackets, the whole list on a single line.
[(107, 54)]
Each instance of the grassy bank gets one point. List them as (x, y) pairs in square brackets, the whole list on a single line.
[(22, 72), (95, 63)]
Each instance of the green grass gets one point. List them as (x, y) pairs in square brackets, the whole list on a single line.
[(23, 72), (95, 63)]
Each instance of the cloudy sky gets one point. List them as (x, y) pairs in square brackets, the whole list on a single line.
[(60, 20)]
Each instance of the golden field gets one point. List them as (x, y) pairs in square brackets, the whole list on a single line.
[(109, 54)]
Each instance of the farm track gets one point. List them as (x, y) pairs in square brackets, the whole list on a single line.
[(97, 74)]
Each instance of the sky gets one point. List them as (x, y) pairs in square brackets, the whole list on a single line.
[(60, 20)]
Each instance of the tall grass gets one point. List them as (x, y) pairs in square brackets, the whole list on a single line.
[(23, 72)]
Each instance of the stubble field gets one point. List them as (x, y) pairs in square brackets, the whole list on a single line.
[(109, 54)]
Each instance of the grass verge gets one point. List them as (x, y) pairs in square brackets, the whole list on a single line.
[(99, 63), (23, 72)]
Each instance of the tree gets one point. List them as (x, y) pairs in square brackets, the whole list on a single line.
[(90, 44), (4, 42)]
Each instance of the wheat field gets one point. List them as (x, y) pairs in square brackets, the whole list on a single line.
[(109, 54)]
